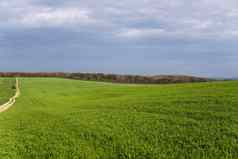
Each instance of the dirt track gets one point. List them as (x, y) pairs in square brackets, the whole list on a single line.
[(12, 100)]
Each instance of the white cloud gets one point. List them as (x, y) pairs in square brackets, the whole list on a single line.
[(56, 17), (192, 19), (233, 13), (140, 33), (202, 19), (27, 14)]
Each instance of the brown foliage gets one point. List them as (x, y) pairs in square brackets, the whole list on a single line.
[(31, 74), (162, 79)]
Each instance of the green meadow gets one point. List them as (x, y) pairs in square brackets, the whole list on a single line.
[(70, 119), (6, 89)]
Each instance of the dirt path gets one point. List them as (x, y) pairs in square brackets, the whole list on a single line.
[(12, 100)]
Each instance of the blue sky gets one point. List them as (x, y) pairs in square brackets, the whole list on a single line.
[(196, 37)]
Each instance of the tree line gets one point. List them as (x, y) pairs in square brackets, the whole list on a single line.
[(161, 79)]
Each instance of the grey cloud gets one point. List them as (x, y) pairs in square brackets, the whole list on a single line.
[(126, 36), (179, 19)]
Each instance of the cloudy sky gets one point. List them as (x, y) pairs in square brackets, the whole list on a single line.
[(197, 37)]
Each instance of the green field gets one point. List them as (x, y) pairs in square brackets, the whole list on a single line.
[(66, 119), (6, 89)]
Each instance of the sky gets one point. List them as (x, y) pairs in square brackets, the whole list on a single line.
[(148, 37)]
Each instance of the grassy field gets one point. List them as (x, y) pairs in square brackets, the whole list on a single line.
[(6, 89), (70, 119)]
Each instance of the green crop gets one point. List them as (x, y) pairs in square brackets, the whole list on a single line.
[(6, 89), (69, 119)]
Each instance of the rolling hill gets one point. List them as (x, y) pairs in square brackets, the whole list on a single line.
[(61, 118)]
